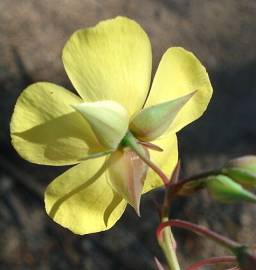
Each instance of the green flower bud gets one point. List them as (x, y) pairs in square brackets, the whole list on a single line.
[(242, 170), (108, 120), (153, 121), (225, 190)]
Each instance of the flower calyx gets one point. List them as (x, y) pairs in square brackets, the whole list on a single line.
[(153, 121), (108, 120)]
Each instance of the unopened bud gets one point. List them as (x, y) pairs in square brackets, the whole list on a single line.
[(242, 170), (153, 121), (225, 190), (108, 120)]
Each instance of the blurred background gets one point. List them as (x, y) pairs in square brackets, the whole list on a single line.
[(32, 35)]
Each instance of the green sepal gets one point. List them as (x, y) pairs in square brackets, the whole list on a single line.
[(126, 175), (108, 120), (152, 122)]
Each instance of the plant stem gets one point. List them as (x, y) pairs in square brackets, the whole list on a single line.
[(132, 142), (222, 240), (167, 244), (176, 187), (167, 241), (158, 265), (213, 261), (156, 169)]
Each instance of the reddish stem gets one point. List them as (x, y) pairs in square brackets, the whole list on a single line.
[(222, 240), (176, 187), (156, 169), (151, 146), (131, 141), (176, 174), (212, 261), (168, 197), (159, 266)]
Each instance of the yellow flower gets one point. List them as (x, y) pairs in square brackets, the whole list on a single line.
[(110, 67)]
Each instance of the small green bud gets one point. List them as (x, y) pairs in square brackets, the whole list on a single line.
[(108, 120), (242, 170), (225, 190), (153, 121)]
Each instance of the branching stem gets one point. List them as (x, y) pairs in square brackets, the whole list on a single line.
[(213, 261), (222, 240)]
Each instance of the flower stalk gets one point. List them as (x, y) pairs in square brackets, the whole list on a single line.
[(220, 239), (167, 244), (166, 240), (158, 265), (213, 261), (131, 141)]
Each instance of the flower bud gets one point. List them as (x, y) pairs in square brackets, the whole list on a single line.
[(242, 170), (225, 190), (108, 120), (153, 121)]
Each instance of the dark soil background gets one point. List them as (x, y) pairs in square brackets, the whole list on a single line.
[(32, 34)]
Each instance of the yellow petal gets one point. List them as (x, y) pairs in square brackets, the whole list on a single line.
[(180, 73), (111, 61), (126, 174), (82, 200), (165, 160), (45, 129)]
